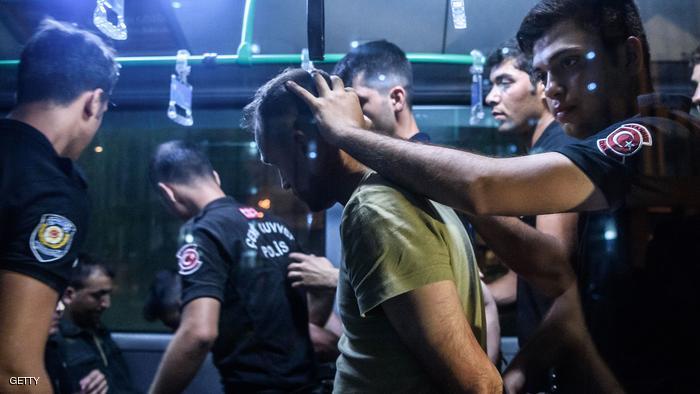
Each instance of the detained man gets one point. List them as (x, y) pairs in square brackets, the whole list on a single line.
[(403, 255)]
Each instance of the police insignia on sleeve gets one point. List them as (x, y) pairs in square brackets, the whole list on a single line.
[(51, 238), (188, 259), (625, 141), (251, 213)]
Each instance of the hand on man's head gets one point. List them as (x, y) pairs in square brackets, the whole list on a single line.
[(337, 108)]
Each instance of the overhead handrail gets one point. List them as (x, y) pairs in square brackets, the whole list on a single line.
[(245, 56)]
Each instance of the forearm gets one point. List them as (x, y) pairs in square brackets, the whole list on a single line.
[(504, 289), (493, 326), (325, 343), (180, 363), (563, 333), (445, 175), (320, 304), (540, 258), (442, 339)]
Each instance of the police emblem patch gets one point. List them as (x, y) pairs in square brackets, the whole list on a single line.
[(188, 259), (52, 238), (626, 140), (251, 213)]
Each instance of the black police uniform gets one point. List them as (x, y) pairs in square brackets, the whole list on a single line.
[(234, 254), (44, 207), (639, 261)]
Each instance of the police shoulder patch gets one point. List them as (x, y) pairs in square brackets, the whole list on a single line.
[(251, 213), (625, 140), (188, 259), (52, 237)]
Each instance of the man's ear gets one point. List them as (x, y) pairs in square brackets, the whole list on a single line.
[(68, 295), (217, 179), (93, 105), (397, 95), (168, 191), (634, 55)]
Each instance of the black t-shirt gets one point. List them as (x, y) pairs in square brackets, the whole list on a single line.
[(639, 260), (44, 207), (531, 304), (239, 256)]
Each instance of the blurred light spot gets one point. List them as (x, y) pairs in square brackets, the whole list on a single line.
[(505, 51), (98, 149), (313, 155), (265, 203), (253, 190), (381, 77), (590, 55), (255, 48), (512, 148), (176, 4), (610, 235), (309, 219), (592, 86), (253, 148), (189, 238), (354, 44)]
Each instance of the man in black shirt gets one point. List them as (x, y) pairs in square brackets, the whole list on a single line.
[(593, 58), (520, 107), (65, 77), (236, 298), (83, 344)]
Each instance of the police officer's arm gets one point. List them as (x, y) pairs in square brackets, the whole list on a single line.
[(26, 306), (563, 334), (541, 255), (431, 323), (535, 184), (319, 278), (189, 347)]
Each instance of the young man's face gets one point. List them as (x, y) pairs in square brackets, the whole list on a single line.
[(587, 90), (516, 104), (303, 164), (375, 105)]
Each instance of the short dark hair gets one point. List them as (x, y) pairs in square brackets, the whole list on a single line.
[(163, 294), (373, 60), (273, 98), (87, 265), (179, 162), (695, 56), (613, 20), (506, 51), (60, 62)]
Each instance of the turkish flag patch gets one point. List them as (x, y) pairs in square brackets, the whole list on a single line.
[(625, 140)]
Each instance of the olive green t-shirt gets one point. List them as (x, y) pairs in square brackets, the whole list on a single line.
[(394, 242)]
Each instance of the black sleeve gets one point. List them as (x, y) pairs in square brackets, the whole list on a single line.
[(608, 170), (45, 228), (203, 266)]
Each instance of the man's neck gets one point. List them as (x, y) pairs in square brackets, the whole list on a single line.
[(51, 121), (349, 178), (83, 325), (542, 123), (406, 126), (204, 195)]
